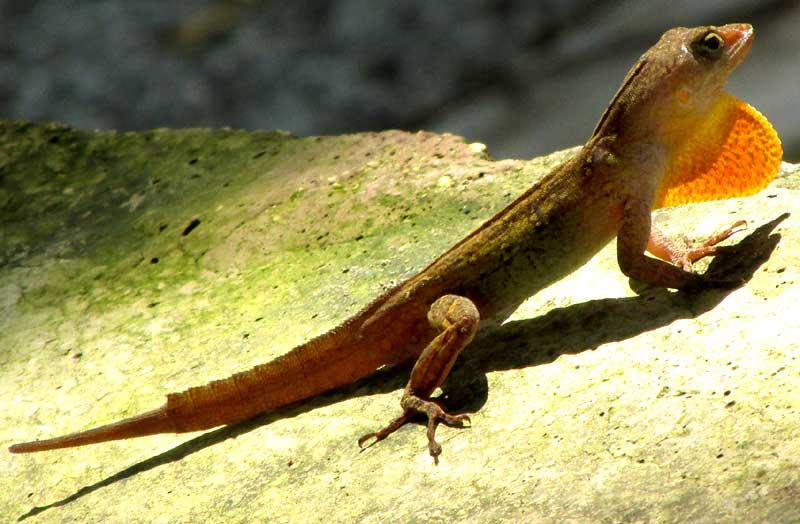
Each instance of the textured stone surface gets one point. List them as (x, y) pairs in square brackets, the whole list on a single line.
[(593, 404)]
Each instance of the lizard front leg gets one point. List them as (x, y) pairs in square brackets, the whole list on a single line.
[(636, 235), (457, 319)]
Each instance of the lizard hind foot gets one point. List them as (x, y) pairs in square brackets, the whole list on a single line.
[(412, 407)]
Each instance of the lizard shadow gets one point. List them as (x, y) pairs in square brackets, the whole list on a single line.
[(585, 326), (516, 344)]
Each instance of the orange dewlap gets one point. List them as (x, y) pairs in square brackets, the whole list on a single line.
[(735, 152)]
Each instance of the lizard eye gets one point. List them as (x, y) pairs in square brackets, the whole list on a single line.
[(708, 46)]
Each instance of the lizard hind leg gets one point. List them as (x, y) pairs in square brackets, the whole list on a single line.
[(457, 319)]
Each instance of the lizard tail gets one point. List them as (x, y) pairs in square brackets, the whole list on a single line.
[(149, 423), (321, 364), (333, 359)]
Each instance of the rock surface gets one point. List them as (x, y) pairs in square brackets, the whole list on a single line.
[(135, 264)]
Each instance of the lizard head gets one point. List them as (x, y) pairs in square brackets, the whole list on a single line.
[(676, 81), (717, 146), (688, 68), (672, 114)]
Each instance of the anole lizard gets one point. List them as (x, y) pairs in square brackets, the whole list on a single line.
[(670, 135)]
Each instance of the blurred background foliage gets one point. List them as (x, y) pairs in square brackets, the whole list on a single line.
[(524, 77)]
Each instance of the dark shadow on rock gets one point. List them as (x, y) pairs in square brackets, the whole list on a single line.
[(517, 344), (531, 342)]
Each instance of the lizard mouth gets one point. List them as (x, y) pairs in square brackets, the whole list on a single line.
[(740, 38)]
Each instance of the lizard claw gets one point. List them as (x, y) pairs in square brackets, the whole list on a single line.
[(438, 414), (366, 437)]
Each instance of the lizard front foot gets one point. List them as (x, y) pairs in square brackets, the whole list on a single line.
[(694, 251)]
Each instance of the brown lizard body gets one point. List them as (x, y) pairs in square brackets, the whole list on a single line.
[(670, 135)]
